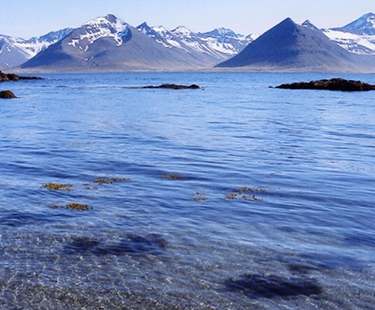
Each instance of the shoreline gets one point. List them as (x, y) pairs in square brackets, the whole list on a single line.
[(191, 70)]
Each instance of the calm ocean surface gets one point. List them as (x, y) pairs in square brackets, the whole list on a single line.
[(235, 196)]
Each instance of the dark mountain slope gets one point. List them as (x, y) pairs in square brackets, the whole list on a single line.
[(289, 46)]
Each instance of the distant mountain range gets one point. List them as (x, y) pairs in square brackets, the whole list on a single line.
[(108, 43), (220, 43), (129, 48)]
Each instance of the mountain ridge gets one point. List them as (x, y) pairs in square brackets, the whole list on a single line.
[(108, 43), (91, 47), (202, 45), (220, 43)]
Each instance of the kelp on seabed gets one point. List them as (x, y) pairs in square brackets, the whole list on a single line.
[(246, 193), (172, 177), (74, 206), (110, 180), (58, 187)]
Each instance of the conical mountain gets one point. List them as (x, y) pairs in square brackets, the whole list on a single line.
[(289, 46), (108, 43)]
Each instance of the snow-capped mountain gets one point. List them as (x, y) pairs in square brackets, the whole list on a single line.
[(358, 37), (14, 51), (364, 25), (204, 48), (108, 43), (109, 27), (220, 43)]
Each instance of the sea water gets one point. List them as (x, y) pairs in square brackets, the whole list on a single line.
[(233, 196)]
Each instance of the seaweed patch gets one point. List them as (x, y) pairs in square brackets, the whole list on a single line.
[(110, 180), (89, 187), (172, 177), (58, 187), (199, 196), (74, 206), (103, 181), (246, 193)]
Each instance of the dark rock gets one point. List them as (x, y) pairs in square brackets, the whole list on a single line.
[(174, 86), (7, 94), (6, 77), (82, 244), (332, 84), (261, 286)]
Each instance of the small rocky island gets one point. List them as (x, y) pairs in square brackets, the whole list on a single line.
[(165, 86), (7, 77), (174, 86), (332, 84)]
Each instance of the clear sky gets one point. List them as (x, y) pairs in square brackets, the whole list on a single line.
[(27, 18)]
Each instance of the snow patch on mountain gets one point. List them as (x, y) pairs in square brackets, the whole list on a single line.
[(309, 25), (354, 43), (220, 43), (102, 27), (183, 32), (358, 37)]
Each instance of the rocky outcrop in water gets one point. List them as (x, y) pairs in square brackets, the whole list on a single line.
[(7, 94), (6, 77), (174, 86), (332, 84)]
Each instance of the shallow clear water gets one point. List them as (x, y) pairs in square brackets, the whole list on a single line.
[(236, 196)]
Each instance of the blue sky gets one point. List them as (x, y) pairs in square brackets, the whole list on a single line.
[(26, 18)]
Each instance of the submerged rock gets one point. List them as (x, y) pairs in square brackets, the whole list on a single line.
[(270, 286), (131, 244), (7, 94), (332, 84)]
